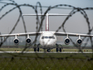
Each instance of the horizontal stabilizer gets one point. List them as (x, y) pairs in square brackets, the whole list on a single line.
[(46, 14)]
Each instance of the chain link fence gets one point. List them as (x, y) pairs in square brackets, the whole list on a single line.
[(80, 59)]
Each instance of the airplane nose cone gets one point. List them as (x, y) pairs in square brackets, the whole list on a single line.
[(47, 43)]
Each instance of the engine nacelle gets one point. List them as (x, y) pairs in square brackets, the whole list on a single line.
[(16, 41), (67, 41), (28, 40), (79, 41)]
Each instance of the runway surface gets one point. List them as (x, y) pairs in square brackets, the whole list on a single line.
[(38, 52)]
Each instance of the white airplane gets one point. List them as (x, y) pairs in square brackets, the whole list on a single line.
[(47, 38)]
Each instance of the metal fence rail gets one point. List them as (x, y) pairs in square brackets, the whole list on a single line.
[(46, 61)]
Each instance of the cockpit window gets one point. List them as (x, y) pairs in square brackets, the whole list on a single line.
[(48, 37)]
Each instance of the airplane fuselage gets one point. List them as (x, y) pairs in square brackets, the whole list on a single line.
[(48, 38)]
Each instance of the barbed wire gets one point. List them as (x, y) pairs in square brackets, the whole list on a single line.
[(40, 22), (70, 14), (39, 27)]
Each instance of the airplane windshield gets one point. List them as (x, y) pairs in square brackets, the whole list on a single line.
[(48, 37)]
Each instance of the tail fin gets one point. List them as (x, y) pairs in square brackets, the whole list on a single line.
[(47, 22)]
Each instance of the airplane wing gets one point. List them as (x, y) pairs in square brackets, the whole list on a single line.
[(72, 34), (21, 34)]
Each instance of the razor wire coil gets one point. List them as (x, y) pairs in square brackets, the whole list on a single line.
[(39, 24)]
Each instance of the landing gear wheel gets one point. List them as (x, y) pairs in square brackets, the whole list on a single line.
[(57, 49), (48, 50), (38, 49), (60, 49), (34, 49)]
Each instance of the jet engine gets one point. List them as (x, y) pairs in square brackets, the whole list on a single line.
[(16, 41), (67, 41), (79, 41), (28, 40)]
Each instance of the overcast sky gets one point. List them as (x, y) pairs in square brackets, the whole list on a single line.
[(76, 23)]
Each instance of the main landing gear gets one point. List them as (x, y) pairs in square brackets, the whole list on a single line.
[(58, 49), (36, 48), (48, 50)]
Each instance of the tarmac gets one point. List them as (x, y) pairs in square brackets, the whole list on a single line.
[(38, 52)]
